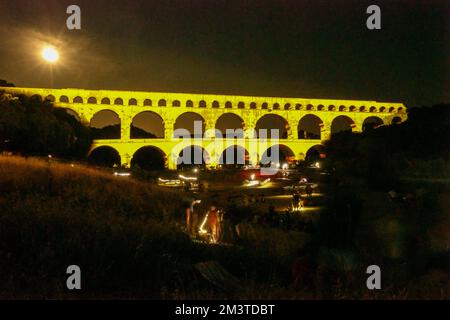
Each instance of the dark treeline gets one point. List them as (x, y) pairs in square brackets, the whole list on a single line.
[(386, 206), (416, 147), (29, 126)]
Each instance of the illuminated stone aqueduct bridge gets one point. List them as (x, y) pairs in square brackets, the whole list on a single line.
[(170, 106)]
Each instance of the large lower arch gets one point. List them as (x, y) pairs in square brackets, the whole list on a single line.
[(230, 125), (315, 153), (147, 125), (105, 156), (269, 122), (396, 120), (309, 127), (105, 124), (342, 123), (149, 158), (234, 156), (371, 123), (278, 154), (189, 124), (192, 156)]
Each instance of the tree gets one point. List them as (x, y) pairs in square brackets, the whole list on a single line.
[(4, 83), (33, 127)]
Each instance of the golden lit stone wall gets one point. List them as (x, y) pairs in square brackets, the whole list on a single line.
[(169, 106)]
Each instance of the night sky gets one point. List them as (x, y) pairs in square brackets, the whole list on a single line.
[(311, 49)]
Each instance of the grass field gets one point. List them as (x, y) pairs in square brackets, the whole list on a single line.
[(127, 238)]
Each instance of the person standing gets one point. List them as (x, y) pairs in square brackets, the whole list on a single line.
[(308, 190), (213, 224), (188, 220), (295, 201)]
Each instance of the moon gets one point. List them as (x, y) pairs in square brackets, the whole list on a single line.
[(50, 54)]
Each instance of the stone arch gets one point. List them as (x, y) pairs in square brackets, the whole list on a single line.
[(105, 124), (309, 107), (252, 105), (298, 106), (362, 109), (352, 109), (396, 120), (391, 109), (192, 156), (342, 123), (241, 105), (269, 122), (118, 101), (147, 103), (234, 156), (105, 101), (230, 121), (77, 99), (92, 100), (400, 109), (371, 123), (50, 98), (264, 105), (147, 125), (373, 109), (215, 104), (342, 108), (202, 104), (277, 155), (132, 102), (276, 106), (64, 99), (149, 158), (320, 107), (309, 127), (315, 153), (331, 108), (162, 103), (228, 105), (176, 103), (383, 109), (106, 156), (287, 106), (36, 98), (189, 104), (187, 123)]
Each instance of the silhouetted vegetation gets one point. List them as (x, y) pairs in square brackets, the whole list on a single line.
[(4, 83), (30, 126), (403, 231), (107, 132), (418, 146), (138, 133)]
